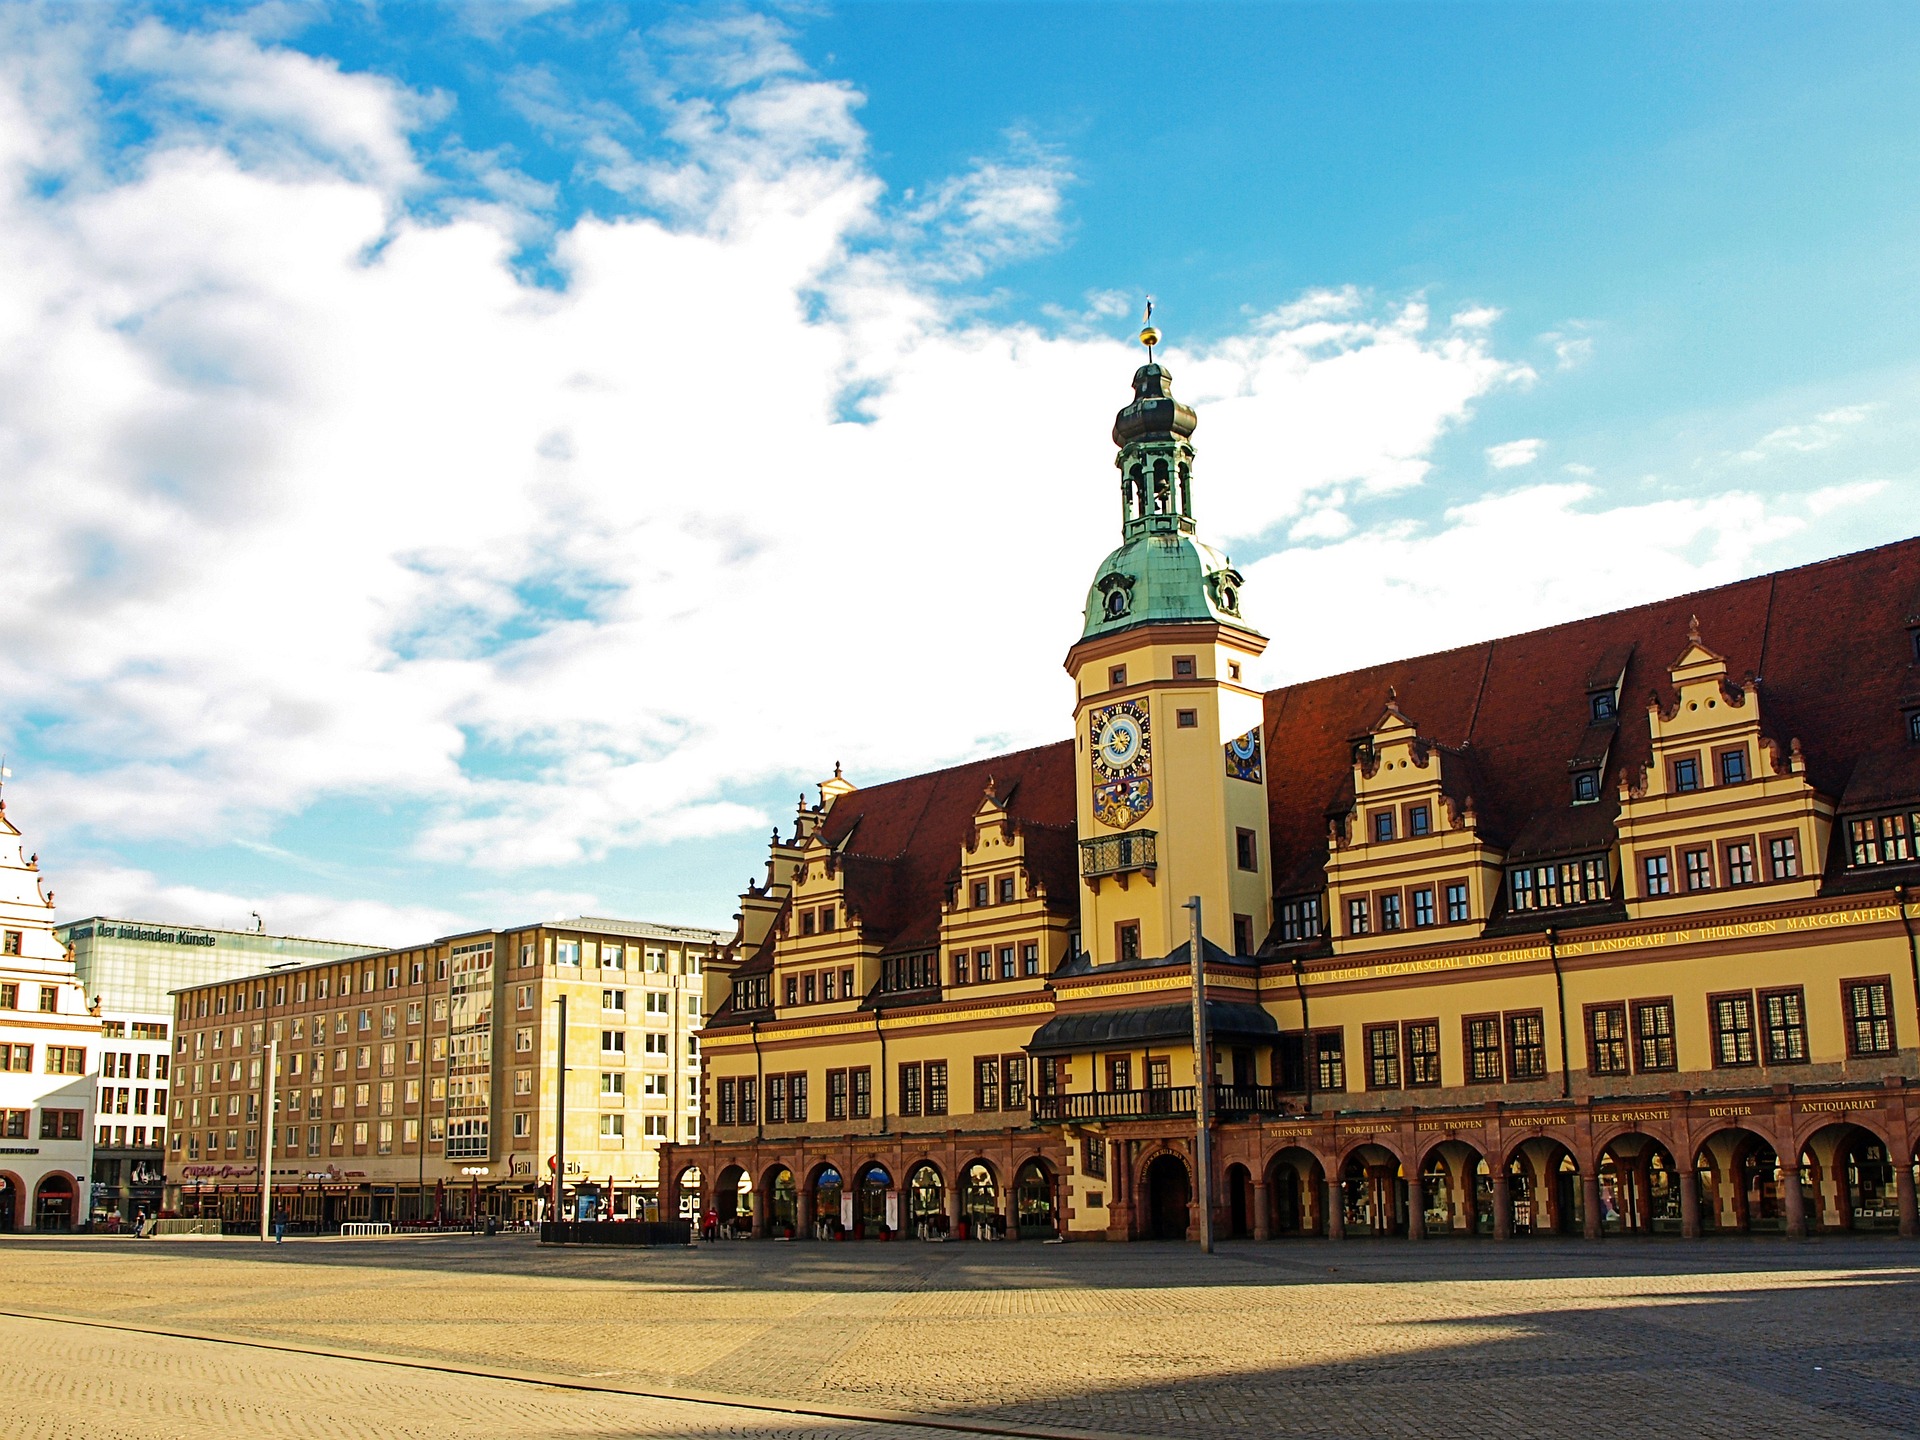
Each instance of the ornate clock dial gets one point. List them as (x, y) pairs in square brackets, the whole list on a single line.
[(1119, 741)]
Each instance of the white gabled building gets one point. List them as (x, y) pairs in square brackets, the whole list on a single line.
[(49, 1045)]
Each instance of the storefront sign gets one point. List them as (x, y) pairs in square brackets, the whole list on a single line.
[(1725, 1112), (1834, 1107), (217, 1172), (1629, 1117), (1368, 1129)]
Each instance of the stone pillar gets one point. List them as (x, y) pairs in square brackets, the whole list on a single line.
[(1263, 1225), (1593, 1214), (803, 1214), (952, 1198), (1502, 1206), (1336, 1211), (1794, 1201), (1416, 1209), (1010, 1211), (1690, 1204), (1903, 1192)]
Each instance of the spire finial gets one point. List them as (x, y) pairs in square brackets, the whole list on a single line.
[(1149, 336)]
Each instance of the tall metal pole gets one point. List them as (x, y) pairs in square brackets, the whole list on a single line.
[(269, 1123), (560, 1117), (1202, 1084)]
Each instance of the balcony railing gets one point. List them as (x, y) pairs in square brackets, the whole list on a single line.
[(1229, 1102), (1117, 854)]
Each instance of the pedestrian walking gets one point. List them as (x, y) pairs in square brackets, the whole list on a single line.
[(710, 1227)]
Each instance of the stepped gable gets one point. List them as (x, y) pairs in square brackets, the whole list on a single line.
[(901, 841), (1829, 642)]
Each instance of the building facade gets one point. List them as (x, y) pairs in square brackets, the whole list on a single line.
[(1602, 928), (128, 970), (49, 1044), (425, 1085)]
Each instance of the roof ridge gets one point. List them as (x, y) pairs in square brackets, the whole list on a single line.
[(1579, 620)]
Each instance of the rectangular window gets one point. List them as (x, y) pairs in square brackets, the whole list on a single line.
[(1699, 869), (1013, 1082), (1483, 1049), (613, 1127), (1116, 676), (1419, 820), (961, 967), (16, 1057), (910, 1098), (1383, 1057), (1457, 909), (1732, 1030), (936, 1087), (1423, 1053), (1243, 934), (1330, 1059), (60, 1124), (66, 1060), (1520, 894), (827, 920), (986, 1082), (1093, 1155), (836, 1094), (1119, 1072), (13, 942), (1127, 937), (1357, 922), (1607, 1040), (609, 999), (1739, 860), (1658, 873), (829, 987), (613, 1042), (1686, 773), (1186, 719), (613, 1082), (1869, 1012), (1383, 825), (1006, 889), (1526, 1046), (862, 1086), (808, 986), (1030, 958), (982, 894), (1423, 907), (1783, 857), (1183, 667), (807, 922), (566, 952), (49, 999), (1246, 850), (797, 1097), (776, 1099), (1007, 971), (749, 1101), (10, 996), (1390, 912), (793, 990), (1783, 1014), (1300, 919), (1733, 767)]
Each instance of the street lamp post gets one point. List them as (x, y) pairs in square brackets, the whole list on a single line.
[(560, 1117), (1202, 1083)]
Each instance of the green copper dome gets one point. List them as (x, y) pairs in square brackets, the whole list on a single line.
[(1160, 574)]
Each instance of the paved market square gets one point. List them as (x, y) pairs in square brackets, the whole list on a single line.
[(1747, 1338)]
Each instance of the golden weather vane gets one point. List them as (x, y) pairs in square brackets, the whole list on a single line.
[(1149, 336)]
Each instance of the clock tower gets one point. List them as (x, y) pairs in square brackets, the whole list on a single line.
[(1170, 764)]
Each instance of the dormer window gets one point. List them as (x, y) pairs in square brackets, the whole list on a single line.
[(982, 895), (1419, 820), (806, 922), (1581, 881), (1383, 825), (1586, 786), (826, 918), (1686, 773), (1733, 767), (1603, 707)]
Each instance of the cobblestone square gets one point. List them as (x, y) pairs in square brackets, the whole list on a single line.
[(1748, 1339)]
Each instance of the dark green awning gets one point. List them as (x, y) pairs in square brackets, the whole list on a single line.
[(1130, 1029)]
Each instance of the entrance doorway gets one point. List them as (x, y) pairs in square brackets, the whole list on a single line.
[(1169, 1197), (53, 1204)]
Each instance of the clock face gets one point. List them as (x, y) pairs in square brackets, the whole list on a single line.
[(1118, 741)]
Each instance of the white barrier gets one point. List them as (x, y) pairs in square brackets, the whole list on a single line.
[(354, 1228)]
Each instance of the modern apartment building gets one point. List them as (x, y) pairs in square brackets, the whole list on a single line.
[(129, 969), (425, 1084)]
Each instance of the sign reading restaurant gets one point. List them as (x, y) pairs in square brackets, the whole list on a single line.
[(144, 932)]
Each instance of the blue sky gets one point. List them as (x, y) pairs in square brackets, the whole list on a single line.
[(472, 462)]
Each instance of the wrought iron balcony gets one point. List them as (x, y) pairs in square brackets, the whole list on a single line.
[(1118, 854), (1229, 1102)]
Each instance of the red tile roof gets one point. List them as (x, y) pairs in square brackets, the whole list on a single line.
[(1828, 642)]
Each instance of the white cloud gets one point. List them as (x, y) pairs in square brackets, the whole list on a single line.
[(1825, 430), (1572, 347), (1512, 454), (135, 894), (1509, 563)]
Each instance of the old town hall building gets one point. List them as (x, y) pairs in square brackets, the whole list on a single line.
[(1601, 928)]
